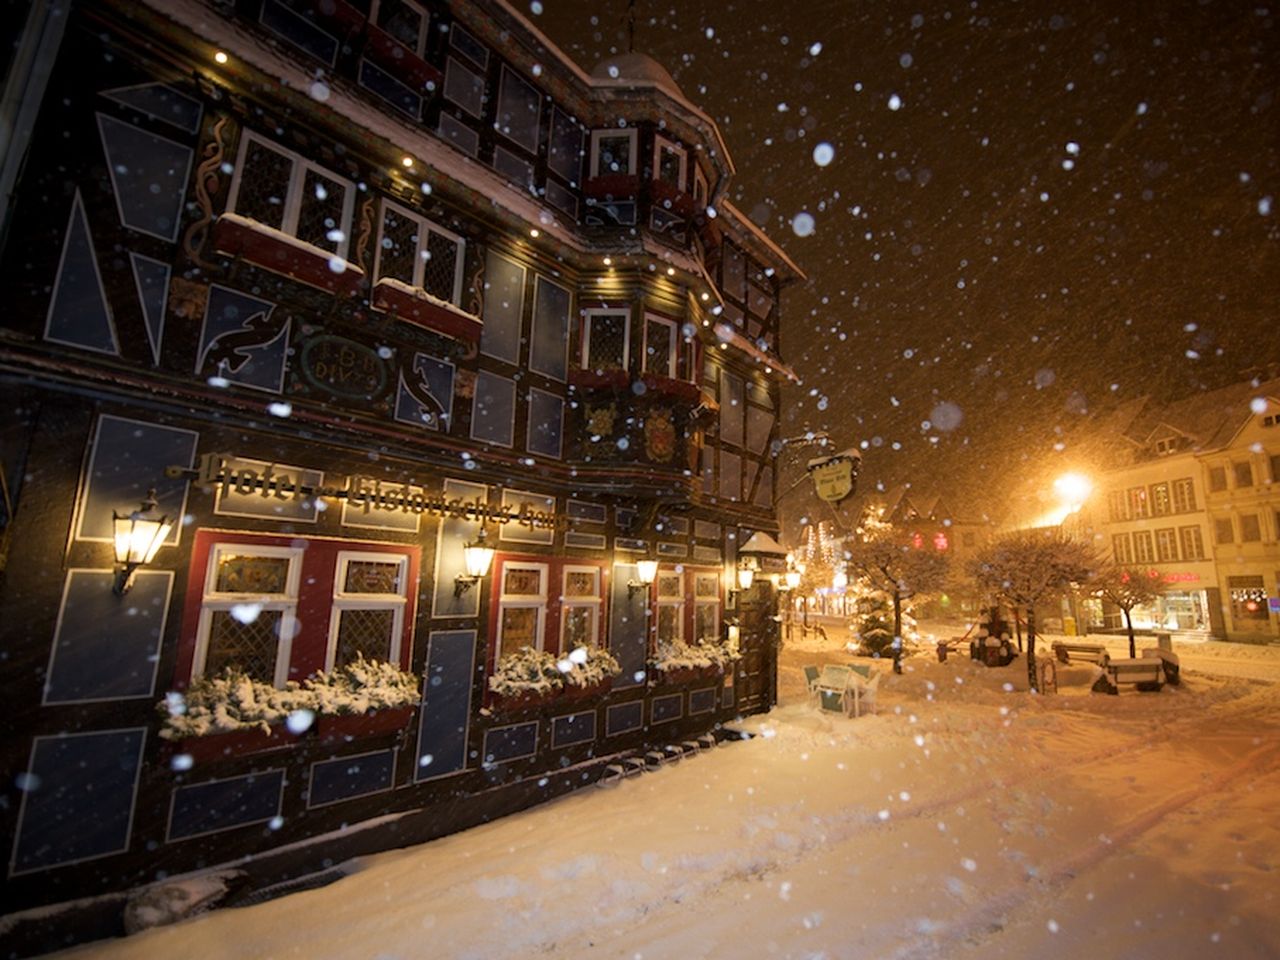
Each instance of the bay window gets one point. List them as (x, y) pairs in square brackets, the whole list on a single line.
[(669, 162), (660, 346), (604, 340), (613, 152)]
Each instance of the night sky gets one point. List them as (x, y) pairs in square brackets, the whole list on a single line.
[(1034, 210)]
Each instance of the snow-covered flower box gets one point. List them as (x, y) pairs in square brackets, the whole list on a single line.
[(417, 306), (277, 251), (528, 678), (676, 662), (232, 714)]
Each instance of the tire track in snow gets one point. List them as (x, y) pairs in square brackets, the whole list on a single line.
[(979, 927)]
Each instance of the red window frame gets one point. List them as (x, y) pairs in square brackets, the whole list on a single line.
[(315, 596), (691, 574), (551, 620)]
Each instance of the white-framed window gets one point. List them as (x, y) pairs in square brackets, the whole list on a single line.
[(1166, 545), (580, 603), (416, 251), (706, 607), (464, 87), (248, 611), (660, 346), (1138, 504), (369, 599), (1142, 549), (281, 189), (1121, 548), (1192, 543), (405, 21), (670, 605), (522, 606), (613, 152), (606, 336), (670, 162), (1184, 495)]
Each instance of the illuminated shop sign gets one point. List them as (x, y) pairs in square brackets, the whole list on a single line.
[(225, 472)]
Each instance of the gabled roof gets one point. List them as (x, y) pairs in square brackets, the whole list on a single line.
[(1211, 419)]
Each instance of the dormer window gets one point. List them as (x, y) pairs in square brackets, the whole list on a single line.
[(404, 21), (669, 162), (1166, 446), (613, 152)]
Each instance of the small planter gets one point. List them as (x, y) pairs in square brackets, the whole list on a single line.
[(520, 702), (572, 693), (358, 726), (679, 676), (236, 743)]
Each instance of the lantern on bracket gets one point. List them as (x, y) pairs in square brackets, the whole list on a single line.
[(138, 537)]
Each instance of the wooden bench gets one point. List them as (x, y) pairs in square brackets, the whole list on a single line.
[(1144, 673), (1092, 652)]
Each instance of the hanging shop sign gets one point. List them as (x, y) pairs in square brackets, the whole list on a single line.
[(229, 474), (835, 477)]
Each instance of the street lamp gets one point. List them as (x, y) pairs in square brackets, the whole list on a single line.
[(1073, 490), (476, 557)]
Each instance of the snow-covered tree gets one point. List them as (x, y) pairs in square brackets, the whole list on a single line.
[(887, 559), (1126, 588), (874, 622), (1026, 568)]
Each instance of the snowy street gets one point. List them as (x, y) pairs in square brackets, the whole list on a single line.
[(966, 818)]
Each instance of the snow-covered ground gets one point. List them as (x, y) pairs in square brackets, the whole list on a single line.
[(967, 818)]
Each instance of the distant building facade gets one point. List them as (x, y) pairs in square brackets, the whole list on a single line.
[(347, 284), (1192, 495)]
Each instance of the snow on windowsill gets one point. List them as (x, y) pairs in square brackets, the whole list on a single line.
[(417, 293), (279, 236)]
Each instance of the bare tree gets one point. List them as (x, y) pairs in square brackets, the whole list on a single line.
[(1027, 567), (887, 559), (1126, 588)]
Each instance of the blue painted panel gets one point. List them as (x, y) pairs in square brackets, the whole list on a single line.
[(79, 314), (151, 278), (129, 457), (546, 423), (666, 708), (243, 340), (627, 623), (374, 78), (511, 743), (78, 804), (624, 717), (149, 174), (573, 728), (161, 102), (503, 288), (454, 535), (446, 703), (349, 777), (425, 394), (493, 411), (702, 701), (106, 647), (223, 804)]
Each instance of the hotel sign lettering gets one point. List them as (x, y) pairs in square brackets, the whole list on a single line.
[(222, 471)]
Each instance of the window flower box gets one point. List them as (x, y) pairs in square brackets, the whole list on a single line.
[(277, 251), (417, 306), (616, 379), (359, 726), (612, 186), (677, 662), (669, 388), (529, 679), (669, 197), (680, 676)]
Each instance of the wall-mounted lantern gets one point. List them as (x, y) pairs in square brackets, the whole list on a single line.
[(646, 573), (476, 557), (138, 536)]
